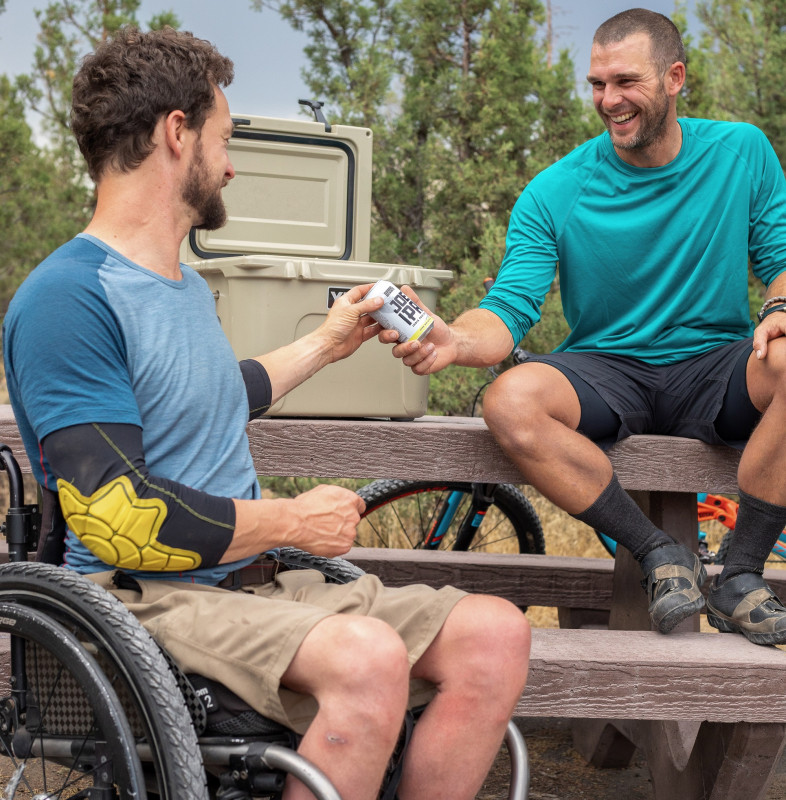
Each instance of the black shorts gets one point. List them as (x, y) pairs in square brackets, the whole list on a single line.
[(704, 397)]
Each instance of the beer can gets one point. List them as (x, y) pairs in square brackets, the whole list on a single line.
[(399, 313)]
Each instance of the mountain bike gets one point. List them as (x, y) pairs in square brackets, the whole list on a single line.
[(447, 515)]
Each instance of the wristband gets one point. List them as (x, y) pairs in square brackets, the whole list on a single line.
[(771, 310), (768, 304)]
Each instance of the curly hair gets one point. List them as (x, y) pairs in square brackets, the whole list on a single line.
[(123, 89), (666, 41)]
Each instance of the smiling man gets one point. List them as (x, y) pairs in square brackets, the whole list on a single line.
[(652, 226)]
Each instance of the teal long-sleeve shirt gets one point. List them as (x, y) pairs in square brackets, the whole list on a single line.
[(653, 263)]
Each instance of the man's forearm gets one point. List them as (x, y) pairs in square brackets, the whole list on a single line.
[(777, 288), (480, 339), (292, 364)]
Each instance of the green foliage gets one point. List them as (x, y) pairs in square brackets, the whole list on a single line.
[(739, 65), (40, 206), (464, 108), (695, 99)]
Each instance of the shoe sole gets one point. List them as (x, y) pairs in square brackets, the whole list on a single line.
[(724, 625), (673, 618)]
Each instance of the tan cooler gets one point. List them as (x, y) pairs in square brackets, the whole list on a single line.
[(297, 236)]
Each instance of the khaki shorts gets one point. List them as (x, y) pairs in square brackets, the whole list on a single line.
[(246, 639)]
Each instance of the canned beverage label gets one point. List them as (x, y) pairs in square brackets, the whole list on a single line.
[(399, 313)]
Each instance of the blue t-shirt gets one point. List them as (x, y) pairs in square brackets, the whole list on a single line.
[(92, 337), (653, 263)]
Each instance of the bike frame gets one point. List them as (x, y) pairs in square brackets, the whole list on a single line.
[(482, 499)]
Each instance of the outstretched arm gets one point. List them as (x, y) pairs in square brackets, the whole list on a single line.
[(347, 326), (478, 338)]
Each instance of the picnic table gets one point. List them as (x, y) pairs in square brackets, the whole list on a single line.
[(706, 709)]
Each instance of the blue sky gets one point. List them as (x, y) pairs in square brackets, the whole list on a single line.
[(268, 54)]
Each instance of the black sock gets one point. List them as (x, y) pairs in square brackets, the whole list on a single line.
[(617, 515), (759, 524)]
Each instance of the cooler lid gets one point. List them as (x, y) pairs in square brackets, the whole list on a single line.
[(300, 188)]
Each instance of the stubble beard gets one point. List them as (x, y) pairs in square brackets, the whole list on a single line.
[(652, 127), (202, 197)]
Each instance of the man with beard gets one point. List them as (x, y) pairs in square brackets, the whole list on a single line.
[(132, 406), (652, 226)]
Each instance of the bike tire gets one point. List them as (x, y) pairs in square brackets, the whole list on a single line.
[(133, 663), (398, 514), (723, 550)]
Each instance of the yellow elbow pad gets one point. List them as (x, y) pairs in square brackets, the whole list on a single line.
[(121, 528)]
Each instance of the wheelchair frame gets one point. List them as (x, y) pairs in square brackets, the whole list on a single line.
[(92, 695)]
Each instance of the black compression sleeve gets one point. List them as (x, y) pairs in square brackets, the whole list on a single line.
[(258, 388), (126, 516)]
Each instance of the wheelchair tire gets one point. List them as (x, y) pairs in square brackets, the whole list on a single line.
[(132, 661), (335, 570), (85, 754)]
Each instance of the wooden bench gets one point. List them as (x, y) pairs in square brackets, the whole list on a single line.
[(707, 709)]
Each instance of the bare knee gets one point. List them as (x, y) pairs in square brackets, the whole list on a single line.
[(357, 664), (522, 400), (500, 636), (482, 652)]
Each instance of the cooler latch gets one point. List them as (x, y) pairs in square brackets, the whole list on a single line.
[(316, 107)]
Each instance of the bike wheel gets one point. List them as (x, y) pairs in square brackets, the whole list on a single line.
[(63, 731), (399, 514), (777, 556), (132, 662)]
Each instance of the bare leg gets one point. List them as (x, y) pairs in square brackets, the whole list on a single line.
[(533, 412), (478, 663), (357, 669), (740, 600)]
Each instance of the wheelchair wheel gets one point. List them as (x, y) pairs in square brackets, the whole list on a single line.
[(162, 731), (89, 753), (335, 570)]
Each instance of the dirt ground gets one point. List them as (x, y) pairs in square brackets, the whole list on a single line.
[(558, 772)]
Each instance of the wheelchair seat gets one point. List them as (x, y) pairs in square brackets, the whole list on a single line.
[(96, 709)]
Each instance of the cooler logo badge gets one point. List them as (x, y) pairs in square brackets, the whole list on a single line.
[(334, 292)]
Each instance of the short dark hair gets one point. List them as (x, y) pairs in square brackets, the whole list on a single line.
[(131, 80), (666, 41)]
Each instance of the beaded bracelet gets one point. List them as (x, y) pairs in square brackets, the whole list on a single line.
[(768, 304)]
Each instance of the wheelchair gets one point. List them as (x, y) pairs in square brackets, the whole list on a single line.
[(94, 708)]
